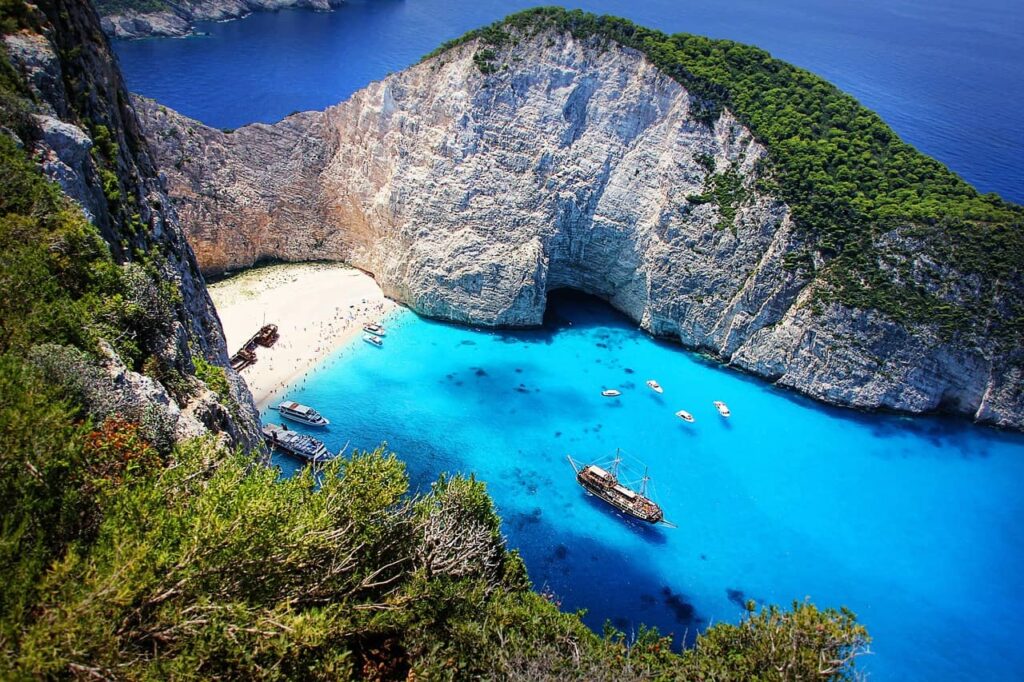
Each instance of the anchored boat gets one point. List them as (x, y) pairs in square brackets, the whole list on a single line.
[(374, 329), (302, 414), (685, 416), (297, 444), (373, 340), (655, 386), (611, 393), (605, 485), (722, 408)]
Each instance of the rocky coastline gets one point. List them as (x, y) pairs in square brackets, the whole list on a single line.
[(177, 19), (471, 194), (85, 136)]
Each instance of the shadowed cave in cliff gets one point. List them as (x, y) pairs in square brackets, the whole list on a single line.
[(569, 307)]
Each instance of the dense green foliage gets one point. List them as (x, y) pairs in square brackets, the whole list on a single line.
[(848, 178), (127, 558), (211, 568)]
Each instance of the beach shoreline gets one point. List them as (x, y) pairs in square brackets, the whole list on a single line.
[(317, 307)]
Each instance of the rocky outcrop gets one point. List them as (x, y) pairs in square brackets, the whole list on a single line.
[(84, 133), (476, 182), (176, 19)]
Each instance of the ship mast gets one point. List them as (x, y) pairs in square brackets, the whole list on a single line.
[(643, 483), (615, 463)]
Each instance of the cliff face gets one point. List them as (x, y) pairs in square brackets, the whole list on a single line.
[(85, 135), (474, 183), (145, 19)]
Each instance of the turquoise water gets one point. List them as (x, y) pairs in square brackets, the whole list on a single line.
[(915, 524)]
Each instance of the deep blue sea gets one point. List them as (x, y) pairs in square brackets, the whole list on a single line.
[(947, 75), (915, 524)]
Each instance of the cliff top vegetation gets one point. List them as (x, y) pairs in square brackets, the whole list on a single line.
[(886, 227)]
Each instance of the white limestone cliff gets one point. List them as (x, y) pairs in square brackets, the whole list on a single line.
[(575, 164)]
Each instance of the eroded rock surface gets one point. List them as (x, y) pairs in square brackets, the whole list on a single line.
[(575, 164), (85, 135), (178, 18)]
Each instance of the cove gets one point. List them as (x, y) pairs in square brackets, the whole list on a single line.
[(913, 523), (945, 74)]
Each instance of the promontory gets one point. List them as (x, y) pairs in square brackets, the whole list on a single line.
[(717, 196)]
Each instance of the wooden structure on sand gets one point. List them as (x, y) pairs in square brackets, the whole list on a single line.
[(267, 336)]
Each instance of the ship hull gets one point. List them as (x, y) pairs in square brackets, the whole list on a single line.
[(613, 500)]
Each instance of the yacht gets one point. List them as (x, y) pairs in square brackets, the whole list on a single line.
[(722, 408), (611, 393), (685, 416), (655, 386), (373, 340), (302, 414), (298, 444), (374, 329)]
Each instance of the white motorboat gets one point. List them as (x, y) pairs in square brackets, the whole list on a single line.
[(655, 386), (611, 393), (373, 340), (685, 416), (302, 414), (374, 329), (722, 408)]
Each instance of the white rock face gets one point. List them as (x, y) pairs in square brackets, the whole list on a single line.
[(575, 164), (177, 19)]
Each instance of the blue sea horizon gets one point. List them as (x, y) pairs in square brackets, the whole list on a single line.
[(913, 523)]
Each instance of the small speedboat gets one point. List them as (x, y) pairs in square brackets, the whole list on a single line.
[(655, 386), (722, 408), (374, 329), (373, 340), (685, 416), (611, 393), (301, 413)]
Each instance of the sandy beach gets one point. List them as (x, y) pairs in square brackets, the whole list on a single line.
[(317, 308)]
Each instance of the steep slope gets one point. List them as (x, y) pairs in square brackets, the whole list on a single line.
[(546, 152), (145, 18), (145, 343)]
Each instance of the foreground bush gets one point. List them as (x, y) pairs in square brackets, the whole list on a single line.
[(212, 567)]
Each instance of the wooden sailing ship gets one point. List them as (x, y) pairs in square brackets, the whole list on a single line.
[(605, 485)]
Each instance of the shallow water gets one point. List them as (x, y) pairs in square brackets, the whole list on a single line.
[(915, 524), (945, 74)]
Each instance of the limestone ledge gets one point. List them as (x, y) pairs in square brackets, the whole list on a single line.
[(179, 18)]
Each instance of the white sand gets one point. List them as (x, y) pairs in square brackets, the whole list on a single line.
[(316, 307)]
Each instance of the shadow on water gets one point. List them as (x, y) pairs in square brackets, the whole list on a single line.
[(645, 531), (611, 584), (583, 572)]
